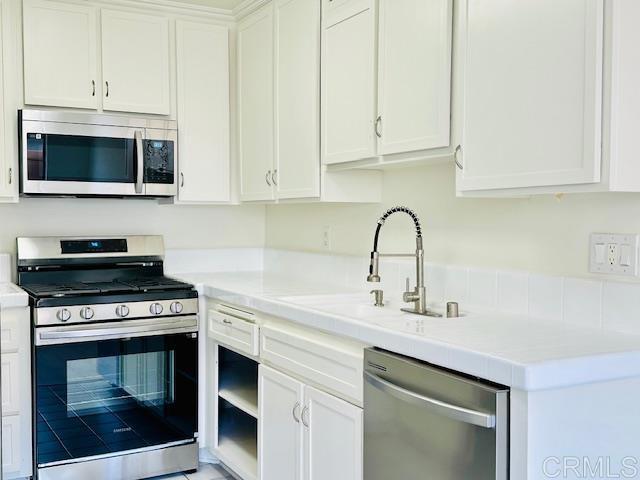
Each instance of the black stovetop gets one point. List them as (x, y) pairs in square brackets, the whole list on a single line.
[(125, 285)]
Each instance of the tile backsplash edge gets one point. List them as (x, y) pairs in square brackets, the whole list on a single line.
[(605, 304)]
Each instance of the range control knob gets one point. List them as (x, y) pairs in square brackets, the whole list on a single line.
[(63, 315), (86, 313), (122, 311), (176, 307), (155, 308)]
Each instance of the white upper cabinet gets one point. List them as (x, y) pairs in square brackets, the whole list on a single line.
[(333, 438), (61, 58), (203, 112), (280, 429), (414, 75), (6, 164), (348, 80), (60, 67), (386, 80), (297, 83), (533, 93), (135, 62), (256, 105)]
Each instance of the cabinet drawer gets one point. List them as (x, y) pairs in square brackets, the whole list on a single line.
[(10, 383), (238, 334), (11, 441), (322, 362)]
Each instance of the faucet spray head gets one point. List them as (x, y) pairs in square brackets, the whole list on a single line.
[(373, 268)]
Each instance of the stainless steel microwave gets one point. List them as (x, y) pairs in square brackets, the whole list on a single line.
[(85, 154)]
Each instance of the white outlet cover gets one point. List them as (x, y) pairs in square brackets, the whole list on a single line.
[(603, 264)]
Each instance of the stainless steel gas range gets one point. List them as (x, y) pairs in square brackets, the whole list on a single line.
[(115, 358)]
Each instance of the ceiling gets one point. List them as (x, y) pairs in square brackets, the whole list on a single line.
[(227, 4)]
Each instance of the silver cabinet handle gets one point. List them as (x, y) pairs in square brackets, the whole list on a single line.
[(378, 126), (10, 175), (455, 157), (267, 176), (107, 84), (274, 177), (305, 422), (181, 179), (293, 412), (460, 414), (140, 164), (227, 322), (93, 88)]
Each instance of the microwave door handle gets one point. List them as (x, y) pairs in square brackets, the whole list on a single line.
[(140, 161)]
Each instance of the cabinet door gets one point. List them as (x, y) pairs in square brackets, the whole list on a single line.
[(333, 439), (414, 75), (297, 77), (203, 112), (532, 93), (11, 446), (279, 426), (59, 54), (135, 62), (6, 163), (255, 104), (348, 79), (10, 383)]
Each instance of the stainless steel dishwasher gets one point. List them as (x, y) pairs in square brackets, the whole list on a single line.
[(426, 423)]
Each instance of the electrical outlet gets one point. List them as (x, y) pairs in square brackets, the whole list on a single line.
[(326, 237), (614, 254)]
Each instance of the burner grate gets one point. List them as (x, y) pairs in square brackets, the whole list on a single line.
[(116, 286)]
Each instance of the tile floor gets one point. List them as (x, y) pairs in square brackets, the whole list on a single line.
[(205, 472)]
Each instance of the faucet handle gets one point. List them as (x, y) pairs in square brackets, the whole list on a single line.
[(407, 289)]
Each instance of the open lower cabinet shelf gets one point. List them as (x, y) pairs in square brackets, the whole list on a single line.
[(238, 413), (240, 394)]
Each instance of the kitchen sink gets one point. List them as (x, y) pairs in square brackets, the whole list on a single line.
[(360, 306)]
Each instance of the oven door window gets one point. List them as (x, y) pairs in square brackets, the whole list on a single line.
[(75, 158), (98, 398)]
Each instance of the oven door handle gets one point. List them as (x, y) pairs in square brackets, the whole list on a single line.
[(113, 331), (140, 161)]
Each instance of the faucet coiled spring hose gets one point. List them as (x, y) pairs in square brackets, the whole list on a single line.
[(387, 214)]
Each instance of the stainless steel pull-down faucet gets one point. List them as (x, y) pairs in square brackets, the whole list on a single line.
[(418, 295)]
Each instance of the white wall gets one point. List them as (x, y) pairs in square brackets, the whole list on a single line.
[(182, 226), (544, 234)]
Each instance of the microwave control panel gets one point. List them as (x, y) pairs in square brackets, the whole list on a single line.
[(159, 161)]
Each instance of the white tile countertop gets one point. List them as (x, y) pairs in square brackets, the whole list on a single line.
[(12, 296), (515, 350)]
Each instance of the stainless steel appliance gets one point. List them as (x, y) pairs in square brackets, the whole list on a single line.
[(115, 358), (85, 154), (423, 422)]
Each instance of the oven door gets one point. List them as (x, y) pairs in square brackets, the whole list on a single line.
[(80, 159), (113, 388)]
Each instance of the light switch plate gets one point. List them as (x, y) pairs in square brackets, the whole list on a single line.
[(614, 254)]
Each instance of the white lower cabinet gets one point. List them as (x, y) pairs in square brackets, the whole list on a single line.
[(280, 400), (11, 444), (333, 439), (16, 393), (304, 433)]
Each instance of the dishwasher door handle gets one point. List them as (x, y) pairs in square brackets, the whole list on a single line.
[(460, 414)]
